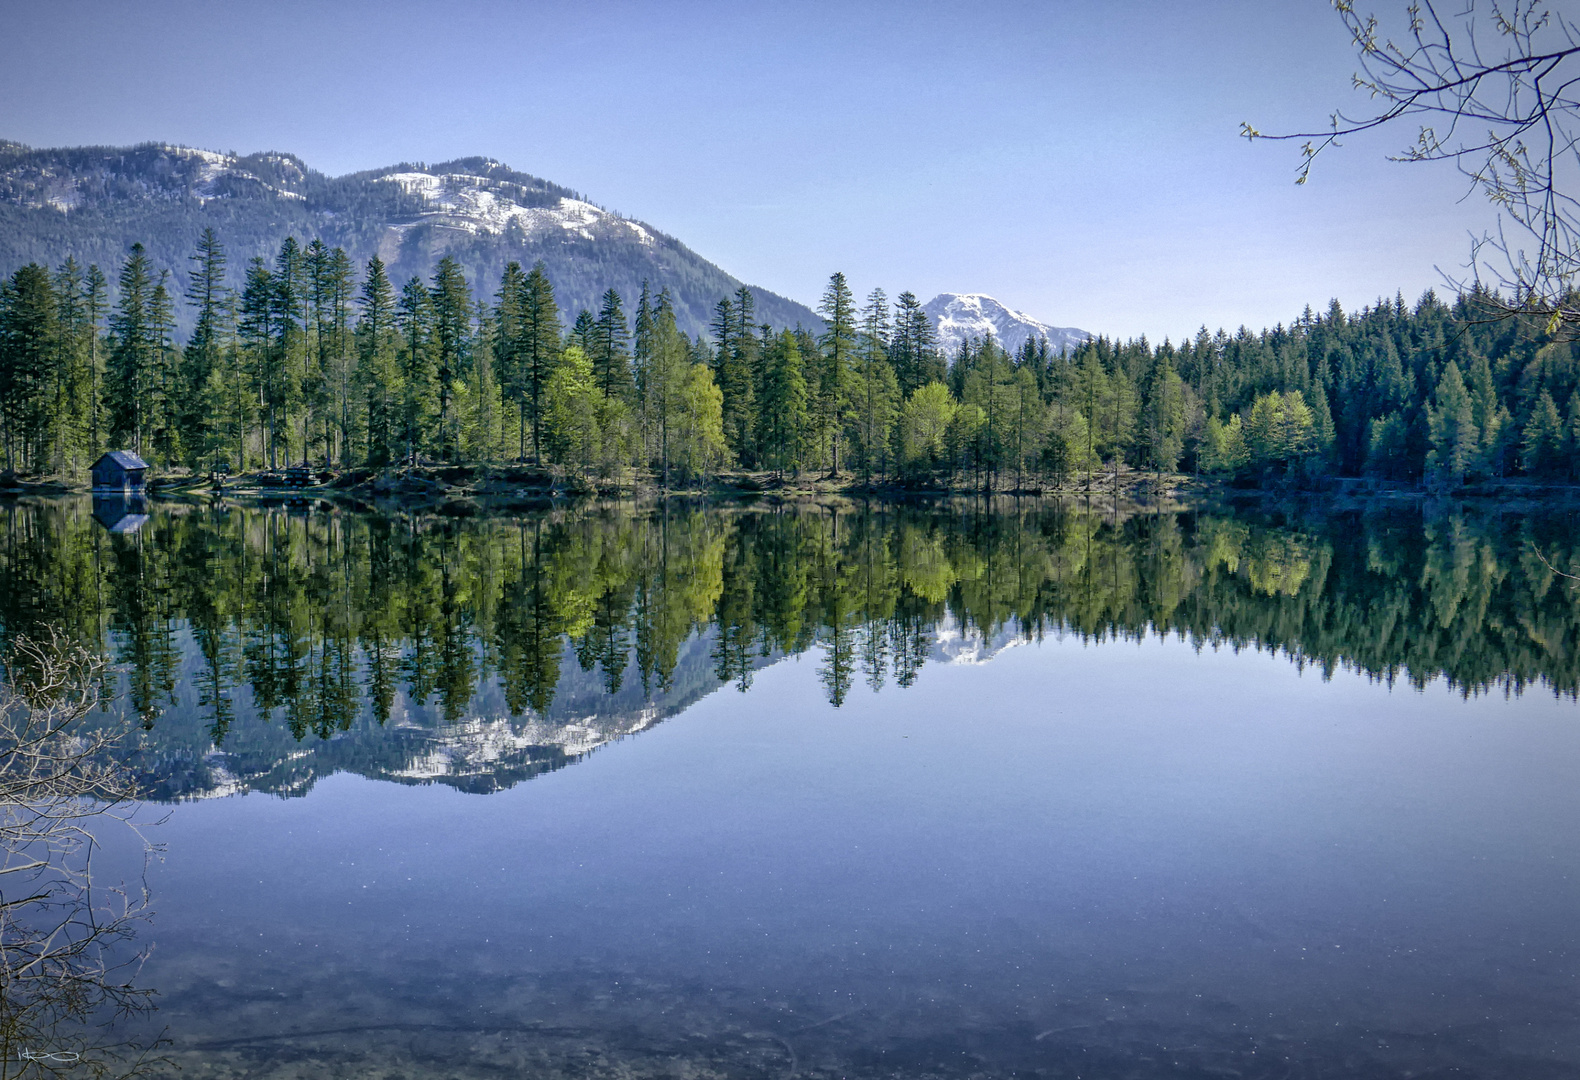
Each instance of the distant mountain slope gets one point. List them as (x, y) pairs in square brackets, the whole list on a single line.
[(93, 203), (958, 316)]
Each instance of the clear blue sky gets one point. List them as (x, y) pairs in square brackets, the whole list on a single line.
[(1077, 160)]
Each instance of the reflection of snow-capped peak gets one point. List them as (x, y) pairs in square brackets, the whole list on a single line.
[(953, 644), (471, 747), (959, 316), (478, 204)]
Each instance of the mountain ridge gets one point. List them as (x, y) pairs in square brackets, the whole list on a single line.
[(92, 203)]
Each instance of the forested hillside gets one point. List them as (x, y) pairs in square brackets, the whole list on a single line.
[(309, 356), (93, 203)]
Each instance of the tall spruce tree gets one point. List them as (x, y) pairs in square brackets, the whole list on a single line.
[(378, 370), (28, 331), (611, 357), (206, 293), (539, 349), (451, 302), (838, 345), (420, 395), (130, 371)]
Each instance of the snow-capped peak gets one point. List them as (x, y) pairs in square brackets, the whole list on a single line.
[(958, 316)]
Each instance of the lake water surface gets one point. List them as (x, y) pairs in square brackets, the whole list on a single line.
[(1036, 791)]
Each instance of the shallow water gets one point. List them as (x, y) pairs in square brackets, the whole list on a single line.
[(1071, 846)]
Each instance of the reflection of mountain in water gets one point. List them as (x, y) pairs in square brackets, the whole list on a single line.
[(957, 644), (486, 750), (262, 649)]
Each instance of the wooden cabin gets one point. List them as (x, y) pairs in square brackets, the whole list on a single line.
[(119, 470)]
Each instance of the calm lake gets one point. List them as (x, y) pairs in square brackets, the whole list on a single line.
[(1041, 790)]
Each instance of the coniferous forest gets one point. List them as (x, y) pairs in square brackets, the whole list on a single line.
[(310, 359)]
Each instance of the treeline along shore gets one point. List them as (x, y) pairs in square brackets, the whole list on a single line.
[(309, 360)]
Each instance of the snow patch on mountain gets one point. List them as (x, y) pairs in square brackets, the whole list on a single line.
[(959, 316), (476, 204)]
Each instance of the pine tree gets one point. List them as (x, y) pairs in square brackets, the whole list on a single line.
[(1542, 444), (96, 292), (1164, 423), (420, 394), (378, 372), (875, 386), (1027, 422), (28, 352), (165, 387), (451, 305), (782, 419), (70, 369), (207, 294), (583, 331), (838, 344), (664, 381), (538, 349), (130, 370), (1452, 424), (610, 356), (289, 353), (330, 356), (913, 351), (255, 333), (642, 344)]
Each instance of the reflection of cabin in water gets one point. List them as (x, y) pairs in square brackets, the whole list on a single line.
[(119, 470), (120, 512)]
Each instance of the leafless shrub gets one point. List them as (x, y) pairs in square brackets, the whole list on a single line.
[(68, 959)]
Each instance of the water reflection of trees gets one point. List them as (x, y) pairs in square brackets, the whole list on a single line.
[(67, 955), (326, 616)]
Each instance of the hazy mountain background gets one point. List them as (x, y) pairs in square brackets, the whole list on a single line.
[(94, 202)]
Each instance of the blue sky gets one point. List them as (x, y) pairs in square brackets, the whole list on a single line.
[(1078, 160)]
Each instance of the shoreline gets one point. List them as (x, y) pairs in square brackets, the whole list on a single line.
[(462, 491)]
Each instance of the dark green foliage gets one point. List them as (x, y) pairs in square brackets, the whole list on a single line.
[(610, 355)]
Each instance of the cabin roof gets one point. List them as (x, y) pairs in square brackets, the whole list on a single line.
[(124, 458)]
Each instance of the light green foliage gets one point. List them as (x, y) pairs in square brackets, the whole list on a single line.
[(1280, 429), (571, 402), (1065, 451), (700, 447), (1226, 450), (924, 428)]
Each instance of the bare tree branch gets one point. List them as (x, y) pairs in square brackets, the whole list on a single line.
[(1505, 91)]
